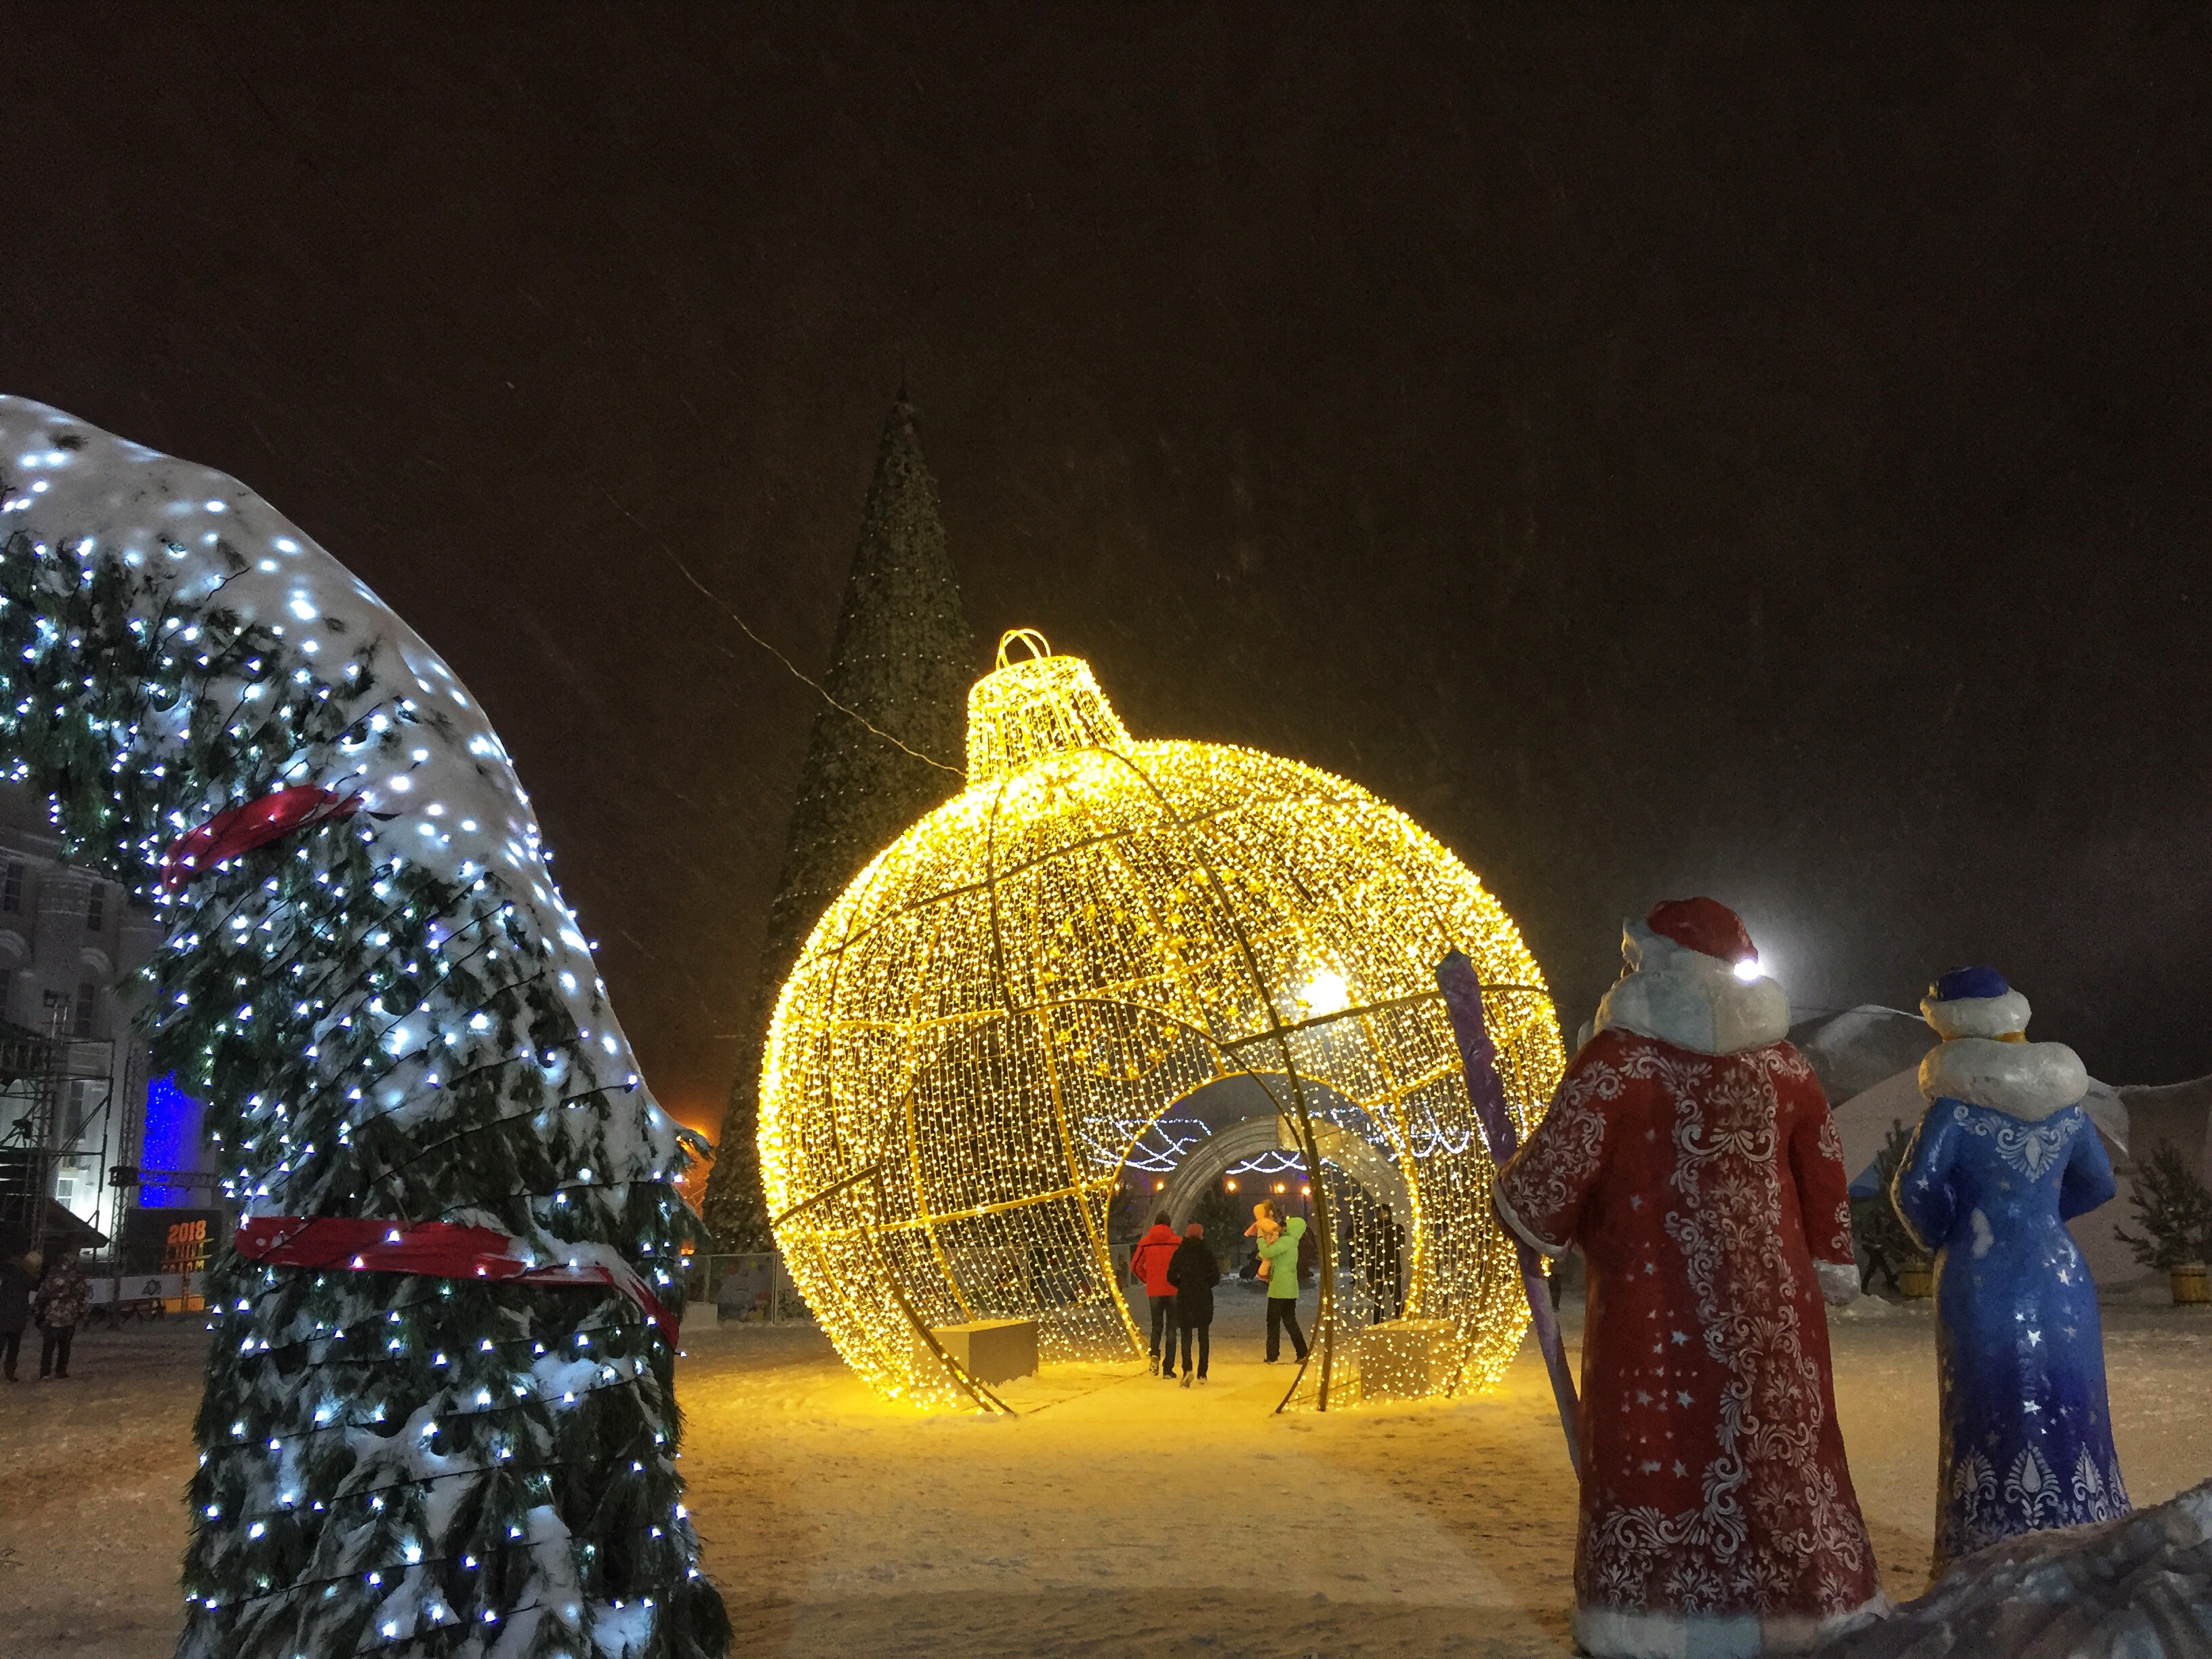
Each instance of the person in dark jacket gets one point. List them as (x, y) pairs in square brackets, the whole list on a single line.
[(63, 1297), (1148, 1261), (1194, 1273), (19, 1276)]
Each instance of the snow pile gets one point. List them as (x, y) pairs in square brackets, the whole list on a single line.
[(2135, 1588), (1854, 1050)]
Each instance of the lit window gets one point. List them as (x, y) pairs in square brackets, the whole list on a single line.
[(78, 1102)]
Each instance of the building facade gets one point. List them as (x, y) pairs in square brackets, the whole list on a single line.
[(75, 1106)]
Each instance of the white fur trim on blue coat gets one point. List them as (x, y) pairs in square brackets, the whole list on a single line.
[(1977, 1017), (2029, 1080), (1691, 1000)]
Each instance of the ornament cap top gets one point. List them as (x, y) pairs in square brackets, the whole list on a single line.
[(1030, 706), (1039, 645)]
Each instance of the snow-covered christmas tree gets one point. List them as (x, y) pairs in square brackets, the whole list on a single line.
[(439, 1415), (899, 673)]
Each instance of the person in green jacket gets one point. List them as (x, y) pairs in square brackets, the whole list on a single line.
[(1279, 1266)]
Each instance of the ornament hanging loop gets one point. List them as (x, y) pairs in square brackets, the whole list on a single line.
[(1038, 645)]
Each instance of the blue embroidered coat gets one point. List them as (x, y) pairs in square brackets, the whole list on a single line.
[(2003, 1157)]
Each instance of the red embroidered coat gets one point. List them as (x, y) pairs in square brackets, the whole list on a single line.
[(1718, 1515)]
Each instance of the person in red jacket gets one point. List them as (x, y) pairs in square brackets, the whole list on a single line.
[(1149, 1263)]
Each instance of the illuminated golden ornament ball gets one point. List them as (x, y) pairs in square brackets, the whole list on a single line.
[(1015, 992)]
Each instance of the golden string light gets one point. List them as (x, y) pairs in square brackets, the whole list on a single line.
[(983, 1025)]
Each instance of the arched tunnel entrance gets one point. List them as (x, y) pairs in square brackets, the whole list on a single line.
[(1231, 1139)]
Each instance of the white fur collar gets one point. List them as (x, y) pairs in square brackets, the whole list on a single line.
[(1691, 1000), (2029, 1080)]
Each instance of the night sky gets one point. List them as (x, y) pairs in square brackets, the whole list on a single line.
[(1762, 452)]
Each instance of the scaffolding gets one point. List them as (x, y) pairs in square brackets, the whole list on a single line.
[(56, 1093)]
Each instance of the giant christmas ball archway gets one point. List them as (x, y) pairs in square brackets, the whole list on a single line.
[(1010, 996)]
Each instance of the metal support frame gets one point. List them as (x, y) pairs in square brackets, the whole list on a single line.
[(48, 1063)]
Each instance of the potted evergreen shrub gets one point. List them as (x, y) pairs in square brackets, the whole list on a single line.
[(2175, 1211), (1889, 1251)]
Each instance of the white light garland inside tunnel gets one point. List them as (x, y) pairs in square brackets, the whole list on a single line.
[(982, 1038)]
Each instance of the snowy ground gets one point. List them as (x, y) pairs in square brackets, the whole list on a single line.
[(1120, 1515)]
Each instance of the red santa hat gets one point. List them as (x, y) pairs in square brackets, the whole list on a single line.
[(1705, 926)]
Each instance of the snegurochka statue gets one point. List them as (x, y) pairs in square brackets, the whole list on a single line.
[(2003, 1157)]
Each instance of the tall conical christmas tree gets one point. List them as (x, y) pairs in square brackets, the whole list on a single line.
[(902, 664)]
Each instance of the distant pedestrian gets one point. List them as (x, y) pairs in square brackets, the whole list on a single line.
[(1194, 1273), (1386, 1269), (1149, 1263), (1279, 1266), (63, 1297), (18, 1277)]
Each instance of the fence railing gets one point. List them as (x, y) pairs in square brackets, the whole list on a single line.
[(748, 1287)]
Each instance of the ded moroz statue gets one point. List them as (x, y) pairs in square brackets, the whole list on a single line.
[(1690, 1155)]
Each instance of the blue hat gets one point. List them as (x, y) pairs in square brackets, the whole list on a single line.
[(1963, 982), (1974, 1002)]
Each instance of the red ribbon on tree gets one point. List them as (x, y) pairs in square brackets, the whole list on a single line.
[(439, 1249), (238, 830)]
